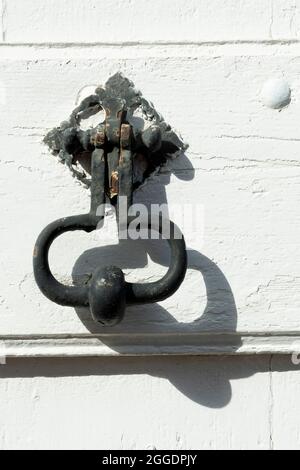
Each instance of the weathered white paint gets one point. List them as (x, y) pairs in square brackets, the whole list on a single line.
[(204, 65), (88, 21), (126, 20), (242, 166), (155, 344), (133, 403)]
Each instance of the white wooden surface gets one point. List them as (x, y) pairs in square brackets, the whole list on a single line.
[(159, 403), (83, 21), (127, 403), (242, 167), (203, 64)]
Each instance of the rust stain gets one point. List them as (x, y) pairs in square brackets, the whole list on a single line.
[(124, 139), (114, 186)]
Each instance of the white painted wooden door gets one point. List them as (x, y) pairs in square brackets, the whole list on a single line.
[(204, 64)]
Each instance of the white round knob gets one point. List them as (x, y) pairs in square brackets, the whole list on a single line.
[(276, 93)]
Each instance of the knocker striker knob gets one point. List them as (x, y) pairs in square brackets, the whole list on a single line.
[(107, 295), (115, 148)]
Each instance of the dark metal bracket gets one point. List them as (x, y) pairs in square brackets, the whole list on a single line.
[(113, 149)]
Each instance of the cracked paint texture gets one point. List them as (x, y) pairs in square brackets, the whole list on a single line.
[(203, 67)]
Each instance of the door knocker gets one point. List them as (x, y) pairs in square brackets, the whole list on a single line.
[(112, 148)]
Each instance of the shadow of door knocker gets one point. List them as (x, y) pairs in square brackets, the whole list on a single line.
[(114, 149)]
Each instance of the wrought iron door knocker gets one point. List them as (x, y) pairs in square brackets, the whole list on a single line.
[(112, 148)]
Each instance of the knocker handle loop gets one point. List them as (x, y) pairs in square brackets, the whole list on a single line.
[(107, 293)]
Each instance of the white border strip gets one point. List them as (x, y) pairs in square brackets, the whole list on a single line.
[(150, 345), (136, 50)]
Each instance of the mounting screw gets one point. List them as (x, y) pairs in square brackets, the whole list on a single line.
[(276, 93)]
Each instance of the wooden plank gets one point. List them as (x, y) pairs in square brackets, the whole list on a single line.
[(242, 169), (202, 402), (78, 21), (156, 344)]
